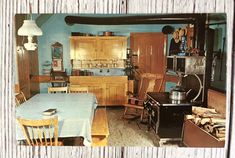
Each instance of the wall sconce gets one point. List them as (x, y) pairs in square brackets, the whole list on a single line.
[(30, 29)]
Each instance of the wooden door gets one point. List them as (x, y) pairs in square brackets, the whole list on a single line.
[(23, 71), (33, 71), (82, 48), (112, 48), (115, 94), (150, 50), (27, 63)]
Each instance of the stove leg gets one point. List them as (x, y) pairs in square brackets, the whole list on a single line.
[(149, 123), (176, 142)]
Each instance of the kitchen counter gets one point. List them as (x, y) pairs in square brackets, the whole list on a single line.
[(111, 79), (109, 90), (47, 78)]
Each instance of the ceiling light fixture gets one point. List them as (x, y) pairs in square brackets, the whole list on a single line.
[(30, 29)]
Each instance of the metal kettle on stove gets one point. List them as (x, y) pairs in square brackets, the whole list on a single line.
[(179, 93)]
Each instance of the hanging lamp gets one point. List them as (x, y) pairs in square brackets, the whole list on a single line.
[(30, 29)]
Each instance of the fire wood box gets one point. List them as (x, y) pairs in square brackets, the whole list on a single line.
[(194, 136)]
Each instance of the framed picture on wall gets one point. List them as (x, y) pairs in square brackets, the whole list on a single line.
[(57, 50), (57, 64), (57, 56)]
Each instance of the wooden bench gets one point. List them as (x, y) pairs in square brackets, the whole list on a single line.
[(100, 130)]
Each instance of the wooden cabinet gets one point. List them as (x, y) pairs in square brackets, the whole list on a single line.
[(114, 93), (109, 90), (90, 48), (112, 48), (94, 85), (83, 48), (99, 91)]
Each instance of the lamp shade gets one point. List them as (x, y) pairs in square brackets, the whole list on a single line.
[(29, 28)]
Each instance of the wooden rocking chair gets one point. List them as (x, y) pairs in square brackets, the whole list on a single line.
[(147, 84)]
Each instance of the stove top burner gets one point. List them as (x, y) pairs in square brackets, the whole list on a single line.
[(176, 101), (162, 99)]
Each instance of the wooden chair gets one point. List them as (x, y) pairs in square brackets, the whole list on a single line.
[(146, 84), (20, 98), (78, 89), (59, 78), (40, 132), (57, 89)]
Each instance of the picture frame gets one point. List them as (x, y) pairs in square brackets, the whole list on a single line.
[(57, 50), (57, 56)]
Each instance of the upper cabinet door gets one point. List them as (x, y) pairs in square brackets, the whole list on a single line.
[(112, 48), (90, 48), (82, 48)]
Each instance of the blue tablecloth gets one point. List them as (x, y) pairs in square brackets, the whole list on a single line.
[(75, 112)]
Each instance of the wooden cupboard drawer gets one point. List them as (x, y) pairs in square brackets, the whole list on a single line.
[(194, 136)]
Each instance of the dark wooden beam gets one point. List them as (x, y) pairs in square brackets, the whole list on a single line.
[(135, 19), (200, 27)]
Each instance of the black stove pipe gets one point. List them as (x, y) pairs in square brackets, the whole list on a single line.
[(128, 20)]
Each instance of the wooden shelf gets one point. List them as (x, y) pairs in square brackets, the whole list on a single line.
[(171, 78), (41, 78)]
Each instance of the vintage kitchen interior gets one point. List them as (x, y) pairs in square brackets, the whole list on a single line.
[(120, 80)]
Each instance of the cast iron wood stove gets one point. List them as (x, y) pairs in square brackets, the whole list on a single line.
[(166, 116)]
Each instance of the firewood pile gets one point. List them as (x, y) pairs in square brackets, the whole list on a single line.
[(209, 120)]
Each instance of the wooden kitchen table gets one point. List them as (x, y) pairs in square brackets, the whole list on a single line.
[(75, 113)]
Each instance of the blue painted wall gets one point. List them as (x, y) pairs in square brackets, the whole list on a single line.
[(56, 30)]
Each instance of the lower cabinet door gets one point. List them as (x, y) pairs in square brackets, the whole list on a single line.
[(115, 94), (99, 91)]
